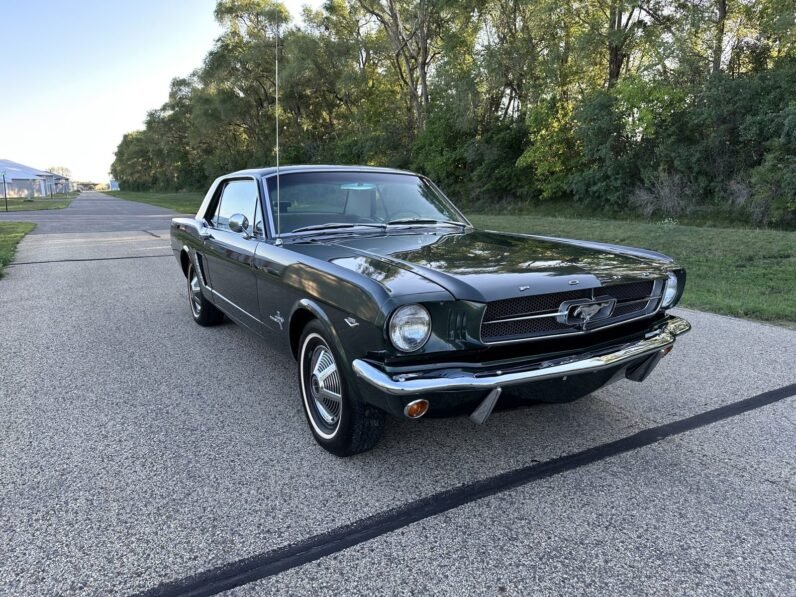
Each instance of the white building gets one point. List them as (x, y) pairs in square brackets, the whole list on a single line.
[(25, 181)]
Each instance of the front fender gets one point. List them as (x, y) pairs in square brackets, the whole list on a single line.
[(298, 320)]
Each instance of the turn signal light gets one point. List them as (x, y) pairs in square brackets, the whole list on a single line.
[(416, 409), (667, 350)]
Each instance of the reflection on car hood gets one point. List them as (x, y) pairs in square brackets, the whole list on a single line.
[(483, 266)]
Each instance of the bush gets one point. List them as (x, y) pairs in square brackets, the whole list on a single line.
[(667, 194), (475, 168), (607, 172), (774, 181), (551, 151)]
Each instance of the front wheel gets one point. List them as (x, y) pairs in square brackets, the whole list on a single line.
[(340, 422)]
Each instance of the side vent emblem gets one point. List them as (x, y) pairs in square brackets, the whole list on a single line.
[(278, 319)]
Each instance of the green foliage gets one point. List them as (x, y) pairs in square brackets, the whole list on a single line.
[(474, 167), (658, 106), (605, 170), (774, 181), (553, 150)]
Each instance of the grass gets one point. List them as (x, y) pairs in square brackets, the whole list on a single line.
[(58, 201), (735, 271), (10, 235), (712, 216), (184, 202)]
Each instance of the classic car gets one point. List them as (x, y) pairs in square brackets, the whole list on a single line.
[(393, 303)]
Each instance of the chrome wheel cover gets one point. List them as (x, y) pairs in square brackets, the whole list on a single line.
[(321, 386), (195, 294), (324, 385)]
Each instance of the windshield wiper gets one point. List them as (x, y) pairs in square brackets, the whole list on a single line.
[(333, 225), (426, 221)]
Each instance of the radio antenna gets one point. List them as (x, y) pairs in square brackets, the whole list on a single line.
[(276, 104)]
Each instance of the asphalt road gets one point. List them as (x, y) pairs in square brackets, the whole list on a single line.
[(94, 212), (138, 449)]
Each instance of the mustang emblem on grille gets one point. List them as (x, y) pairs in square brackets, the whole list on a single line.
[(580, 312), (586, 312)]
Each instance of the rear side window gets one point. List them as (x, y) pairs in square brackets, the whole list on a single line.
[(237, 197)]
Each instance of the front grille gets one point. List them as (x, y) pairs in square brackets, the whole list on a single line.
[(621, 309), (522, 327), (528, 305), (536, 316), (635, 290)]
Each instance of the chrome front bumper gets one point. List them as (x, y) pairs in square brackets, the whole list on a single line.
[(406, 385)]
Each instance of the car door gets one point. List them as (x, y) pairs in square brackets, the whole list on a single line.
[(230, 254)]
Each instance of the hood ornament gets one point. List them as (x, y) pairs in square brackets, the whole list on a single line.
[(573, 282), (524, 288)]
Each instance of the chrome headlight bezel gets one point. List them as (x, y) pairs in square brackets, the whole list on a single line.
[(409, 327), (671, 291)]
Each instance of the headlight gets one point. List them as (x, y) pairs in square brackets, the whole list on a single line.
[(670, 291), (410, 327)]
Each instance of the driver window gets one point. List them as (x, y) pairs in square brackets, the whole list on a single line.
[(238, 197)]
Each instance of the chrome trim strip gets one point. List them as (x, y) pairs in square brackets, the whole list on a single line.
[(266, 203), (225, 299), (548, 370), (553, 314)]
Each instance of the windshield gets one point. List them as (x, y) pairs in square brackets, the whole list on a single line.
[(322, 200)]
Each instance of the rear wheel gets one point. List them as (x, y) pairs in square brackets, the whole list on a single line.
[(340, 422), (203, 311)]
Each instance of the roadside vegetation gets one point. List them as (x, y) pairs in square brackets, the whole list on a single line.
[(10, 235), (184, 202), (58, 201), (662, 108)]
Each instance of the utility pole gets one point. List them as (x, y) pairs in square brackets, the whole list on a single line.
[(5, 193)]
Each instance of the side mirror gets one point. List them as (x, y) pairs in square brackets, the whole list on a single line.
[(238, 223)]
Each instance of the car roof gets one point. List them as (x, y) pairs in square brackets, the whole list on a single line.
[(314, 168)]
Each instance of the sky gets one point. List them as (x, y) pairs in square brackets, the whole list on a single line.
[(75, 75)]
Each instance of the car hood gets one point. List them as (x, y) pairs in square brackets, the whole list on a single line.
[(484, 266)]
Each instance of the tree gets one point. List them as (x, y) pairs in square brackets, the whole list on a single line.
[(618, 103), (416, 30)]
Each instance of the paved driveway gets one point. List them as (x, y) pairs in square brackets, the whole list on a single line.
[(94, 212), (140, 452)]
